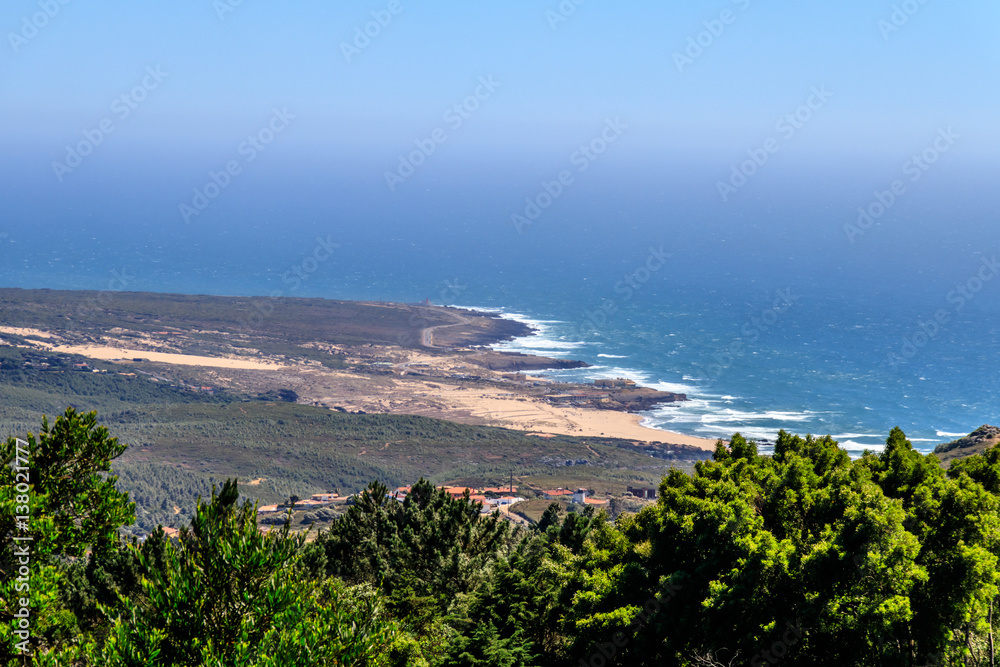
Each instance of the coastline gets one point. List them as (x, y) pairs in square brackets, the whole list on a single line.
[(419, 359), (635, 425)]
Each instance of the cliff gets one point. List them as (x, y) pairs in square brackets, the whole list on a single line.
[(976, 442)]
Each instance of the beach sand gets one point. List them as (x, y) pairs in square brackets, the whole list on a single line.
[(511, 410), (21, 331), (475, 404), (112, 353)]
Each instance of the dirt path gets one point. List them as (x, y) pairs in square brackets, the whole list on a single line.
[(427, 335)]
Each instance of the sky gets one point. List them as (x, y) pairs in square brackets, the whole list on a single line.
[(743, 126)]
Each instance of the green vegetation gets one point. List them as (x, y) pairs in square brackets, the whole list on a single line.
[(205, 324), (977, 442), (801, 558), (185, 440)]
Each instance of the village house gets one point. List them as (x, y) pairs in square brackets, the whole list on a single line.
[(616, 383), (645, 493)]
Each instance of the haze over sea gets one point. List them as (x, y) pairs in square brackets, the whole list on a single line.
[(797, 228), (818, 363)]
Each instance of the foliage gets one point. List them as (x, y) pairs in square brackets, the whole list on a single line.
[(227, 594), (426, 551), (72, 506), (804, 557)]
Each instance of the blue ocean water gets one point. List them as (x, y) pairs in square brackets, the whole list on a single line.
[(762, 312)]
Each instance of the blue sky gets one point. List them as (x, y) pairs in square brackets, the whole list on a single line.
[(605, 59), (227, 67)]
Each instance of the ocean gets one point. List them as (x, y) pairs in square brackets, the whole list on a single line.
[(763, 313)]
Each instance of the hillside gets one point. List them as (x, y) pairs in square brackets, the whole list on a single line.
[(183, 438), (198, 324), (976, 442)]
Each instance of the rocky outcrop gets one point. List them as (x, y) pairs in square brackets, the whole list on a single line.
[(515, 361), (976, 442), (642, 398)]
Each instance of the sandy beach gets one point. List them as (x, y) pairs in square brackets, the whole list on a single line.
[(474, 404), (113, 353), (512, 410), (399, 394)]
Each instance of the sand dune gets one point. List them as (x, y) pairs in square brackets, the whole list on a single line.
[(111, 353)]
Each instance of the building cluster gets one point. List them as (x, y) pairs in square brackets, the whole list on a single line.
[(578, 496), (615, 383), (316, 501), (491, 497)]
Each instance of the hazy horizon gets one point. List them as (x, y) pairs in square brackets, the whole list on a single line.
[(535, 155)]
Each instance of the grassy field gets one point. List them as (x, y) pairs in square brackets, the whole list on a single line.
[(200, 324), (182, 441)]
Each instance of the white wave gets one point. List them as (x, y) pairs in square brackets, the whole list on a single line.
[(852, 446), (757, 434), (613, 356), (525, 344), (642, 378), (729, 415), (945, 434), (673, 387), (544, 340), (848, 436), (503, 313), (689, 410)]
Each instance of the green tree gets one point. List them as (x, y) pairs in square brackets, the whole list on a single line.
[(73, 506), (430, 547), (800, 550), (955, 520), (228, 594)]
